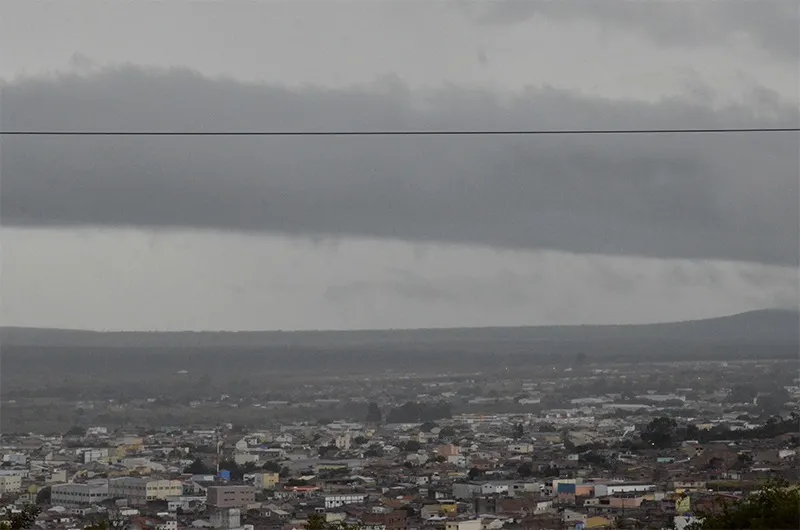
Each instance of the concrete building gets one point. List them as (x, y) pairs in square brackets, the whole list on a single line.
[(494, 488), (602, 490), (466, 490), (10, 484), (448, 450), (139, 491), (339, 500), (56, 476), (230, 496), (227, 518), (382, 518), (97, 431), (266, 481), (93, 455), (24, 473), (185, 502), (443, 508), (16, 459), (343, 441), (521, 448), (470, 524), (78, 495)]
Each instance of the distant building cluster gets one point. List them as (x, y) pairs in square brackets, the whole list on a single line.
[(584, 447), (467, 472)]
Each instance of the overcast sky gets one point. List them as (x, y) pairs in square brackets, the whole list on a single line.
[(300, 233)]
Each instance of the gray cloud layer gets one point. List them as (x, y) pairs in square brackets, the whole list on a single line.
[(773, 25), (728, 197)]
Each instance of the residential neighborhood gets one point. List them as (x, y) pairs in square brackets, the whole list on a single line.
[(594, 464)]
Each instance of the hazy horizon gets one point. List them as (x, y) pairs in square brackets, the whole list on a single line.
[(333, 330)]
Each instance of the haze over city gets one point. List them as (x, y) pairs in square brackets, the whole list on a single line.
[(399, 265)]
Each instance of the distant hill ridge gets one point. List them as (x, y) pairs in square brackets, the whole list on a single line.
[(769, 326)]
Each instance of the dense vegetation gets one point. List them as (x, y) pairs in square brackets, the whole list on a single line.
[(18, 520), (664, 432), (774, 507)]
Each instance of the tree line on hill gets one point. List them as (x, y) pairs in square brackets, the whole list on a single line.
[(664, 432), (237, 472), (411, 412)]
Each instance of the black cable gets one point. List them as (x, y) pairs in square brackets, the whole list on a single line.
[(520, 132)]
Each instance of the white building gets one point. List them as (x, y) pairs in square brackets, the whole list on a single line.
[(493, 488), (226, 519), (470, 524), (97, 431), (337, 501), (78, 495), (603, 490), (185, 502), (16, 459), (140, 490), (343, 441), (10, 484), (93, 455), (521, 448)]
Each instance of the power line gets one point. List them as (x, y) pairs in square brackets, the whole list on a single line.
[(507, 132)]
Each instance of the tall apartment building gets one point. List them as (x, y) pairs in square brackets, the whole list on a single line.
[(78, 495), (139, 491), (230, 496)]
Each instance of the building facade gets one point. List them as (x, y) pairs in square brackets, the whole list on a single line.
[(230, 496), (139, 491), (266, 481), (10, 484), (78, 495), (337, 501)]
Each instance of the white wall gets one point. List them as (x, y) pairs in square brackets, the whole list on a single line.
[(73, 495), (336, 501), (10, 484)]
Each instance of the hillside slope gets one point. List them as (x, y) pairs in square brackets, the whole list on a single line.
[(755, 327)]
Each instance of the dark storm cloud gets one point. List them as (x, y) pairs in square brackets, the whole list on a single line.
[(731, 197), (773, 25)]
